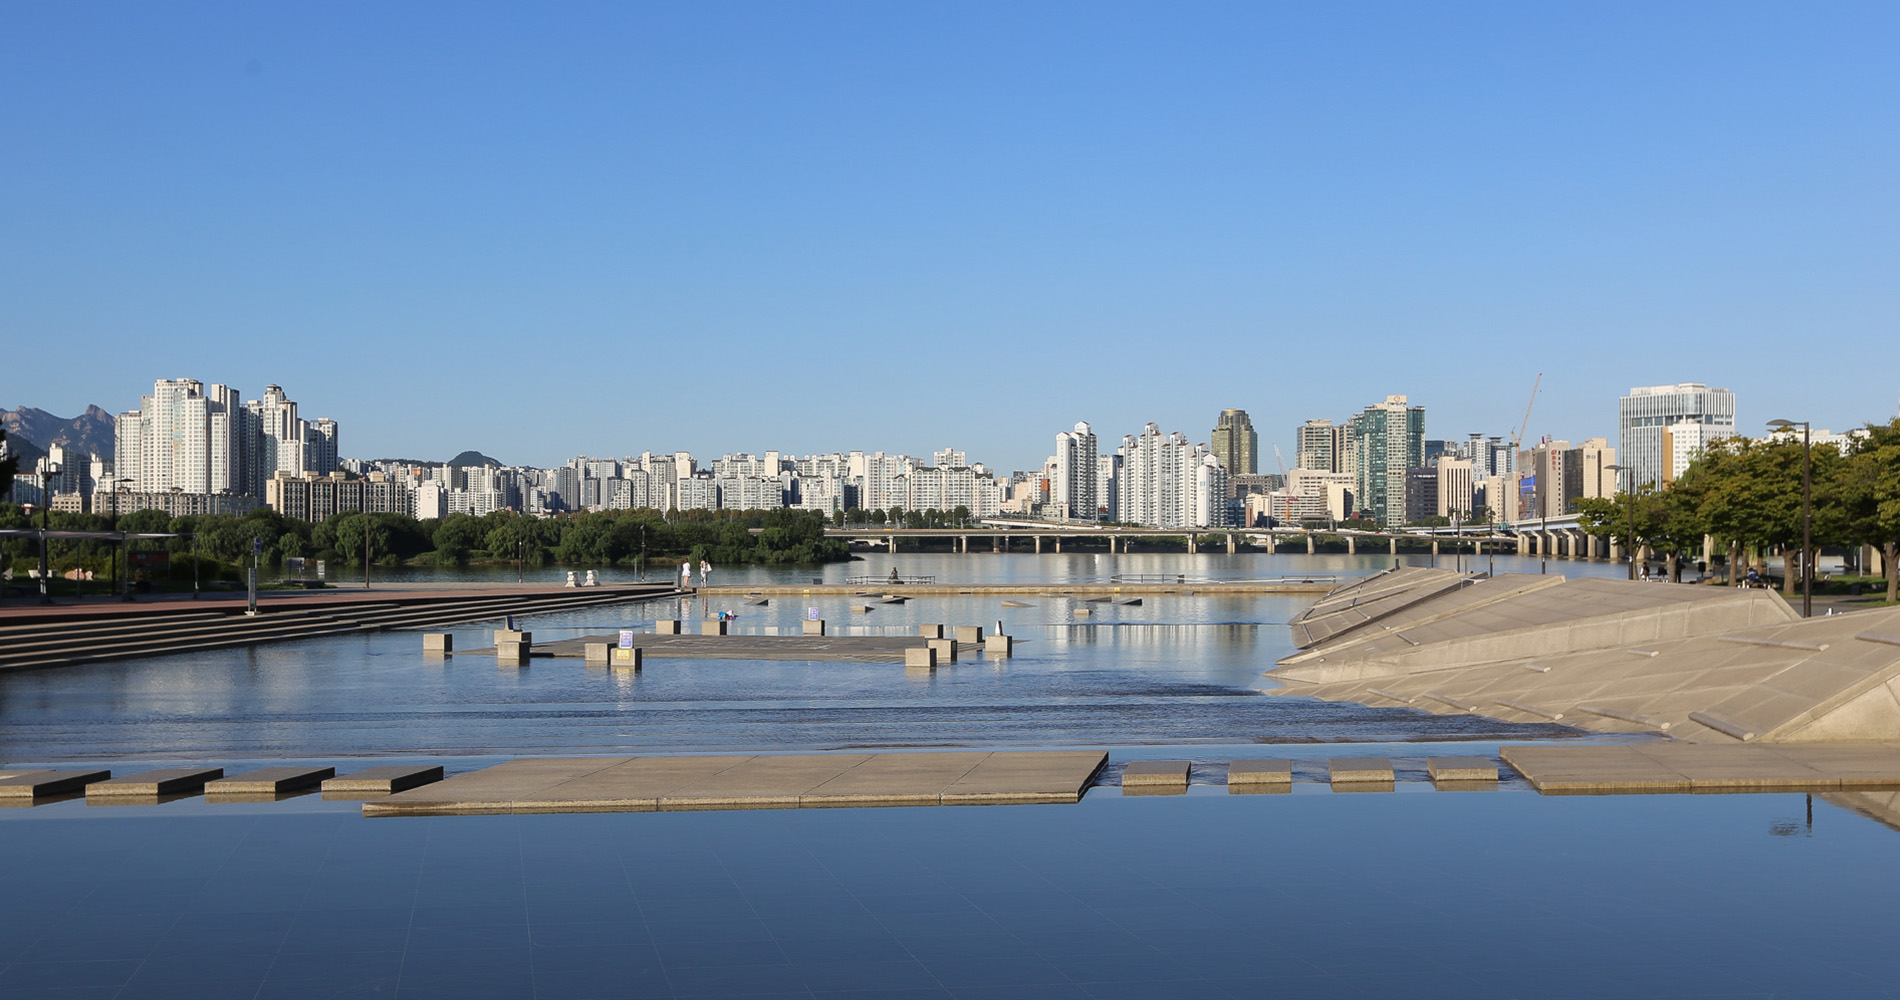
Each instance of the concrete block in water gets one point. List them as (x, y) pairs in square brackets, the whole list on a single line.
[(666, 626), (715, 626), (596, 653), (438, 642), (999, 645), (1461, 769), (384, 780), (34, 784), (920, 656), (813, 626), (970, 635), (1259, 772), (514, 654), (269, 781), (512, 635), (1350, 770), (1166, 773), (930, 631), (627, 658), (164, 781), (946, 649)]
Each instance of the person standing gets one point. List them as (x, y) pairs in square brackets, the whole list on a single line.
[(686, 575), (705, 572)]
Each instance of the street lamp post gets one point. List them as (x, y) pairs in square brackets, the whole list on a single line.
[(1630, 502), (1807, 512), (124, 552), (46, 510)]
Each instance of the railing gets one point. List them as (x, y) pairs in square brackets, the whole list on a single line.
[(1181, 578), (874, 581)]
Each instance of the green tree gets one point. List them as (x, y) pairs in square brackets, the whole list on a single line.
[(9, 466), (1867, 487)]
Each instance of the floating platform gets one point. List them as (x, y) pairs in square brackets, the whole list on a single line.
[(838, 648), (1688, 767), (792, 781)]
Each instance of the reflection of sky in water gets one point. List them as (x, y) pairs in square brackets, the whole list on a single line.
[(1172, 670), (1505, 894)]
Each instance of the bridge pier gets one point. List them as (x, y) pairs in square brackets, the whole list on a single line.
[(1395, 545), (1193, 539), (893, 543), (1523, 545), (1230, 544), (1273, 543), (1309, 543), (1039, 545), (1352, 545), (1434, 548)]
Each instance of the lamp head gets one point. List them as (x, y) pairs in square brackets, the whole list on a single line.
[(1783, 424)]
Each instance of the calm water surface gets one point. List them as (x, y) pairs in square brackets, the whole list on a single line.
[(1173, 670)]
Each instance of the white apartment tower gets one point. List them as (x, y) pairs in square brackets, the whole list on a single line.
[(1662, 427), (197, 439), (1166, 482), (1075, 479)]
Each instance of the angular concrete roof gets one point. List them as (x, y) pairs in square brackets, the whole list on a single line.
[(1699, 663)]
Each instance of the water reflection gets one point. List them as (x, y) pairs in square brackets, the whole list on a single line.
[(1174, 670)]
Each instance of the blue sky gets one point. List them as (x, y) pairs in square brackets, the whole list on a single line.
[(545, 231)]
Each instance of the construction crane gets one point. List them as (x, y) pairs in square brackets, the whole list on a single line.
[(1286, 486), (1518, 438)]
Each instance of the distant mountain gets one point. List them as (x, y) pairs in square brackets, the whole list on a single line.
[(466, 458), (31, 431)]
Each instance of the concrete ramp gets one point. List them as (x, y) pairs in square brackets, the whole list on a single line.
[(1698, 664), (1347, 609)]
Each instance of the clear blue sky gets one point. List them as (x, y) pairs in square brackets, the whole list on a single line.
[(545, 230)]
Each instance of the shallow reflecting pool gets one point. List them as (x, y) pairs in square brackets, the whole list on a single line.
[(1313, 894)]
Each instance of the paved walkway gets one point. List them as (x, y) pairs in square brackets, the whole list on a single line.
[(649, 784)]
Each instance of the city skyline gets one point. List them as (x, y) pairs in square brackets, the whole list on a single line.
[(678, 224)]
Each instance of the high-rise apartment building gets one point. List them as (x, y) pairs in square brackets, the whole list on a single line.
[(1074, 473), (1662, 427), (1384, 440), (1236, 444), (1166, 482), (188, 437), (1319, 445)]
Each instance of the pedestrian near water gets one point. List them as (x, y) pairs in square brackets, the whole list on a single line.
[(705, 572), (686, 575)]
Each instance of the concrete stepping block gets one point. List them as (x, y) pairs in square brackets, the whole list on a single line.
[(1153, 773), (1252, 774), (1351, 770), (384, 780), (1461, 769), (164, 781), (269, 781), (920, 657), (38, 784)]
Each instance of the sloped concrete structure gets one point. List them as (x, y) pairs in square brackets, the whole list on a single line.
[(1701, 664)]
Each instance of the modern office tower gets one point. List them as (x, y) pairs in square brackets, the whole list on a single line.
[(1235, 444), (1662, 427), (1544, 484), (1320, 446), (1489, 456), (1421, 492), (1383, 441), (1074, 473), (1587, 467), (1167, 482), (1455, 481)]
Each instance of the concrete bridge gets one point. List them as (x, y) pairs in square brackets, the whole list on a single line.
[(1559, 538)]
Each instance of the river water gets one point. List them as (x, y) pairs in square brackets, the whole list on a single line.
[(1174, 670)]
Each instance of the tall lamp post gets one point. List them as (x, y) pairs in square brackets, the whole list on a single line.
[(46, 509), (1630, 502), (124, 550), (1807, 511)]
